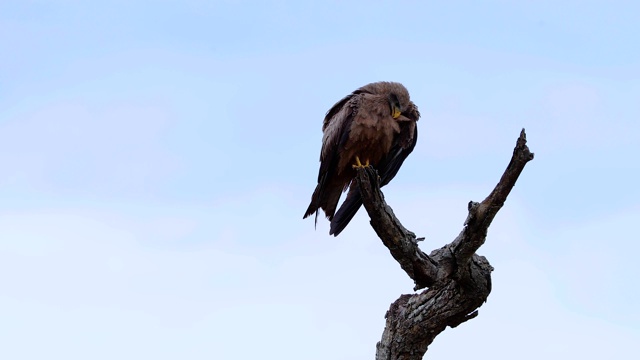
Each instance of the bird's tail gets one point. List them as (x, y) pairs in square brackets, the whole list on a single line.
[(325, 200), (315, 205), (347, 211)]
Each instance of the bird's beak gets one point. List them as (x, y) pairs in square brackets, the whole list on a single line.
[(395, 112)]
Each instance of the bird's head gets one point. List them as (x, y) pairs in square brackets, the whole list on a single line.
[(400, 105), (399, 102)]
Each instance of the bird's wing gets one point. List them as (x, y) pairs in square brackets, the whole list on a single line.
[(336, 126), (402, 147)]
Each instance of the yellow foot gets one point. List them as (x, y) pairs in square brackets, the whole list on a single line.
[(359, 165)]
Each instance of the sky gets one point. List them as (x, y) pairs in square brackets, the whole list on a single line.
[(157, 158)]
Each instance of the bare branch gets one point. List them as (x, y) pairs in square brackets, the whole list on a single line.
[(401, 242), (459, 280), (481, 214)]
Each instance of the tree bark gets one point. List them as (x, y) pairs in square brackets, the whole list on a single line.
[(458, 281)]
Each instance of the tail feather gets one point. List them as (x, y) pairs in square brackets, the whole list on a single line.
[(347, 211), (315, 204), (329, 201), (325, 198)]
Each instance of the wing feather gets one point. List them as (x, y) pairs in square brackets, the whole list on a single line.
[(335, 128)]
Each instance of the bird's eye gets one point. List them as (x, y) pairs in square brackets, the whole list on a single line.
[(394, 100)]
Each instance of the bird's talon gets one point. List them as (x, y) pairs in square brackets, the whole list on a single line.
[(360, 165)]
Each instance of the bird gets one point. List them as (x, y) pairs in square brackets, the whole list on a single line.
[(374, 126)]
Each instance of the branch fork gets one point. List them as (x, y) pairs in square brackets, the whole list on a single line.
[(456, 279)]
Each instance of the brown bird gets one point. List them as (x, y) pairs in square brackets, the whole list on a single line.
[(373, 126)]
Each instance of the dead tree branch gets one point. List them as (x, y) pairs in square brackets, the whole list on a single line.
[(458, 280)]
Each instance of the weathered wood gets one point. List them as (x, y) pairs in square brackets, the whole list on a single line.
[(458, 280)]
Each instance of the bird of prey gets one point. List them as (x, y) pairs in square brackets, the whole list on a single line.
[(373, 126)]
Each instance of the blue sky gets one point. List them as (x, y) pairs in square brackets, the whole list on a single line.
[(158, 156)]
